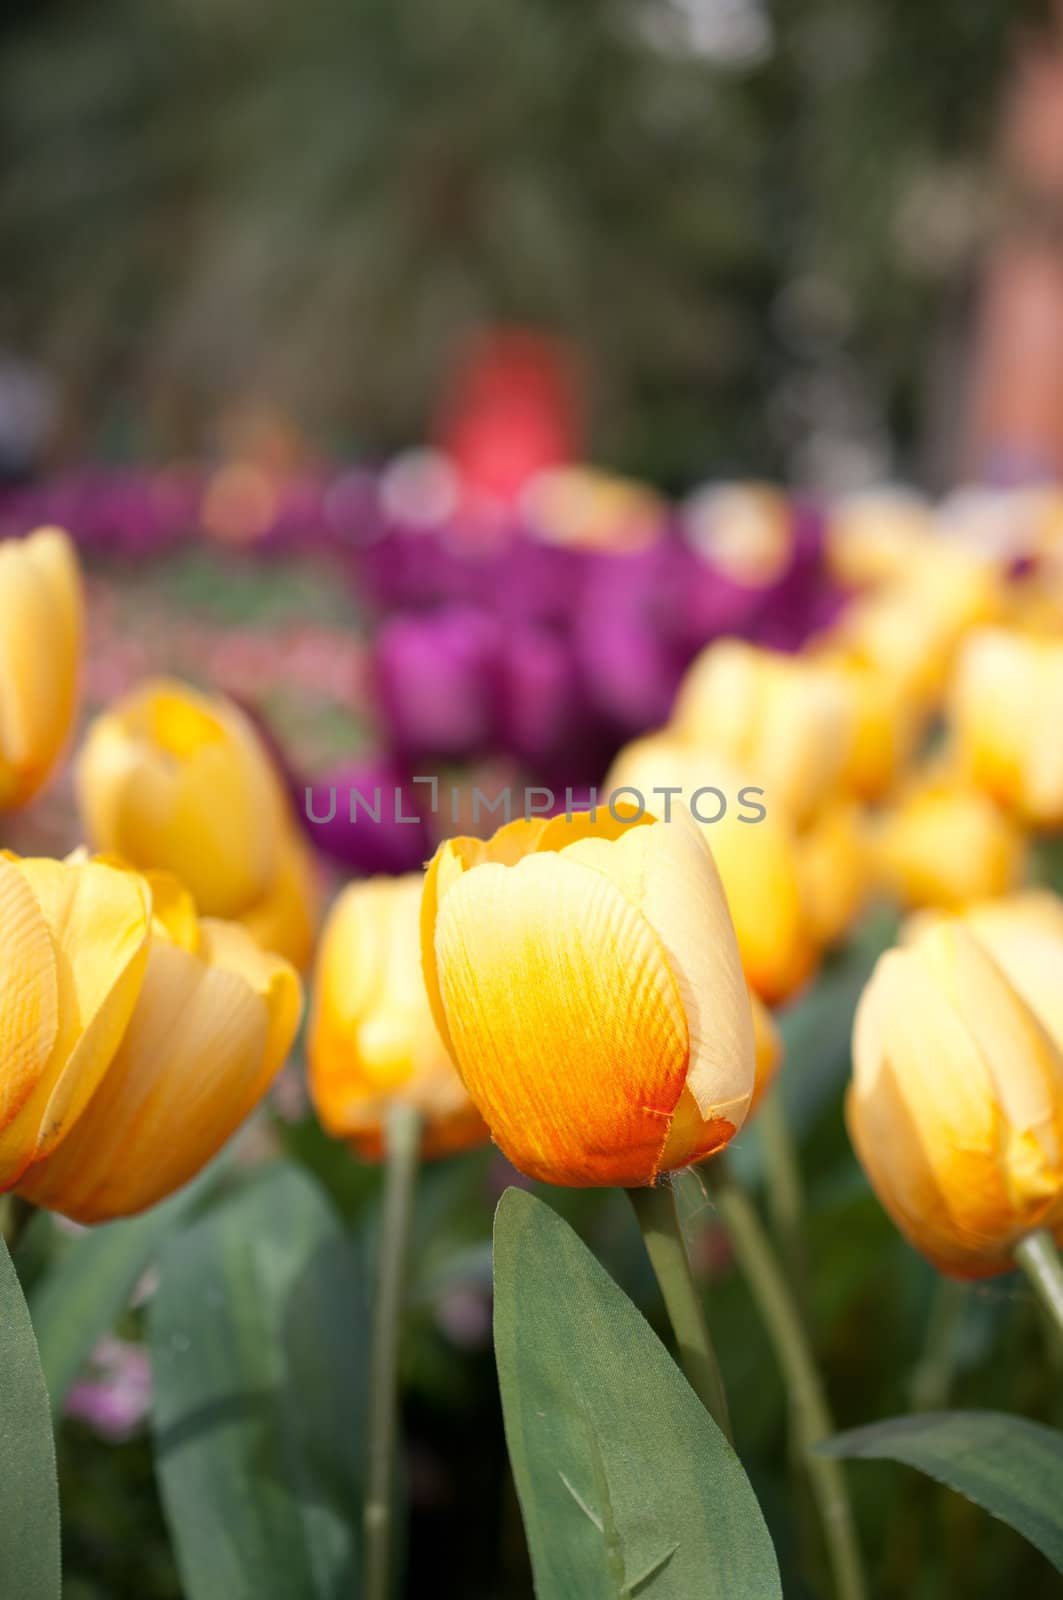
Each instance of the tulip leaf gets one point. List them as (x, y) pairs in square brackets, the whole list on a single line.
[(80, 1297), (256, 1339), (1008, 1465), (29, 1493), (629, 1490)]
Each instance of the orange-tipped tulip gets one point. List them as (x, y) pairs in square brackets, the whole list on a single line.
[(759, 860), (956, 1104), (1007, 713), (40, 656), (585, 977), (134, 1038), (372, 1036), (784, 719), (179, 781), (945, 843)]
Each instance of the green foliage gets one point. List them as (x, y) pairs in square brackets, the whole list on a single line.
[(627, 1486), (83, 1294), (29, 1498), (256, 1338), (315, 203), (1012, 1467)]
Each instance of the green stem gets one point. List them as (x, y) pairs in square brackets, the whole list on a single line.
[(15, 1216), (785, 1192), (1039, 1258), (932, 1378), (402, 1148), (811, 1416), (658, 1217)]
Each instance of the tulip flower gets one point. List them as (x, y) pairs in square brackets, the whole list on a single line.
[(835, 871), (878, 535), (372, 1036), (1024, 935), (784, 719), (135, 1037), (945, 843), (956, 1104), (767, 1052), (886, 722), (758, 857), (585, 977), (910, 630), (40, 651), (179, 781), (1006, 710)]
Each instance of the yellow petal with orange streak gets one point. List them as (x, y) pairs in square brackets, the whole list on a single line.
[(566, 1023)]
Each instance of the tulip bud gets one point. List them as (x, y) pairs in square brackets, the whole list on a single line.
[(784, 719), (372, 1035), (944, 843), (40, 651), (178, 781), (134, 1037), (834, 867), (956, 1104), (1007, 711), (757, 856), (585, 978)]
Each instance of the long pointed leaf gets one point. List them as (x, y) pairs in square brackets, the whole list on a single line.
[(628, 1487), (29, 1494)]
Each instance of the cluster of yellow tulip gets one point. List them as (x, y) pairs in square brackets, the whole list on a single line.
[(592, 988), (137, 1028)]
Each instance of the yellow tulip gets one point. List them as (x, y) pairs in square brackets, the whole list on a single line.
[(784, 719), (885, 725), (874, 537), (372, 1037), (910, 630), (134, 1037), (174, 780), (1007, 711), (835, 871), (759, 861), (1024, 935), (40, 655), (585, 978), (945, 843), (956, 1104)]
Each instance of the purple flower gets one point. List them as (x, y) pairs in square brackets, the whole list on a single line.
[(353, 815), (436, 679), (114, 1395)]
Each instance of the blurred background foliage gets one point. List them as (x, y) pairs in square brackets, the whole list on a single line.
[(758, 222)]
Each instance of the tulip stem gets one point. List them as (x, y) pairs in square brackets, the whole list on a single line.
[(811, 1416), (662, 1232), (785, 1193), (1039, 1258), (402, 1150)]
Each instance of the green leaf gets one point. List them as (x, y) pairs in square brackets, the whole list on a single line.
[(29, 1494), (1012, 1467), (258, 1359), (628, 1488), (79, 1298)]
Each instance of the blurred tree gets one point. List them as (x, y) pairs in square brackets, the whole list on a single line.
[(745, 215)]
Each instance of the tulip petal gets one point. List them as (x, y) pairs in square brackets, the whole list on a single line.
[(40, 600), (924, 1118), (204, 1042), (566, 1023), (667, 872), (29, 1008), (98, 919)]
